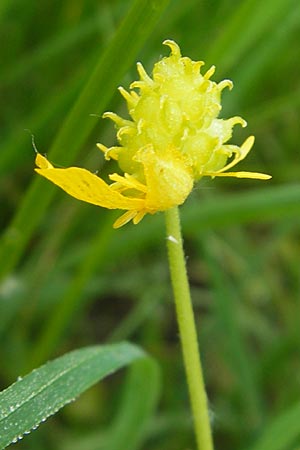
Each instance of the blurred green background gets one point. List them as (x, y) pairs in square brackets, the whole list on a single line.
[(68, 279)]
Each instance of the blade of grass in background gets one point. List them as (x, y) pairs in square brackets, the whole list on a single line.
[(114, 62), (52, 48), (31, 400), (3, 6), (273, 108), (265, 55), (140, 399), (13, 156), (250, 21), (225, 308), (282, 433), (221, 210), (72, 301), (108, 245), (260, 205)]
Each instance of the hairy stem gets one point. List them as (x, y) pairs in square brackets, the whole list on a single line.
[(187, 329)]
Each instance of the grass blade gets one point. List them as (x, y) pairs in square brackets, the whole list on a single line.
[(72, 300), (140, 399), (128, 40), (251, 20), (31, 400), (241, 360), (282, 432)]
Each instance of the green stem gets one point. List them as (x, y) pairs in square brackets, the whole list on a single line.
[(187, 329)]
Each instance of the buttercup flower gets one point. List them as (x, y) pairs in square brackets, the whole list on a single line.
[(173, 139)]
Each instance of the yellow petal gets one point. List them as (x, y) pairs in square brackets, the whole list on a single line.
[(85, 186), (243, 152), (42, 162), (140, 215), (168, 180), (127, 182), (125, 218), (254, 175)]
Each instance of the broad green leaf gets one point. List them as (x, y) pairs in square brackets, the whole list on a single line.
[(131, 425), (32, 399)]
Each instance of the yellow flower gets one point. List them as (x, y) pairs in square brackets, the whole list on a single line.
[(174, 138)]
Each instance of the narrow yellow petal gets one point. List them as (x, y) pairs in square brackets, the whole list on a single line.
[(125, 218), (128, 182), (254, 175), (42, 162), (85, 186), (140, 215), (244, 150)]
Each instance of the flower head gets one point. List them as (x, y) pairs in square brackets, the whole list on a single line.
[(173, 139)]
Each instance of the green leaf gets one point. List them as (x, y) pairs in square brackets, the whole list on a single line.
[(32, 399), (131, 425)]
